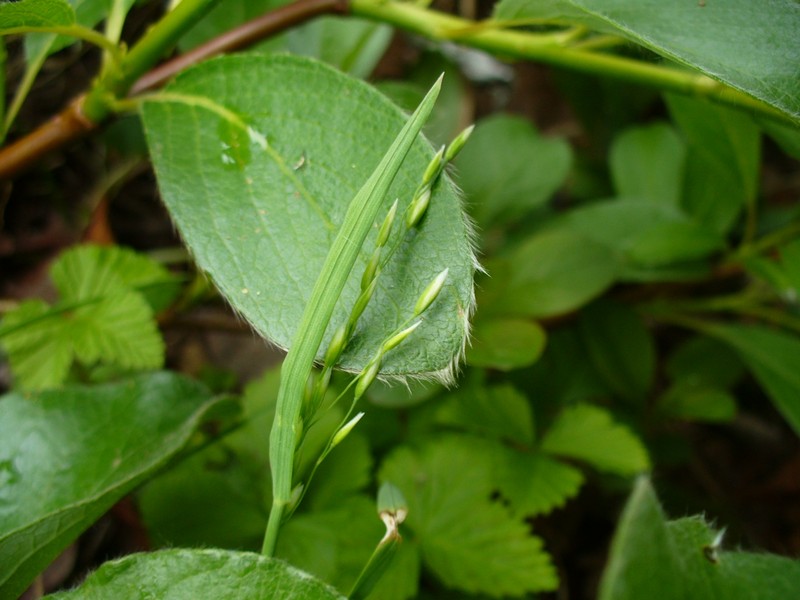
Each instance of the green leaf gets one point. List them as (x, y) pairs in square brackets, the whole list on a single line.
[(697, 402), (471, 543), (647, 163), (87, 447), (499, 411), (506, 344), (508, 169), (35, 13), (346, 471), (621, 348), (333, 544), (534, 483), (705, 361), (102, 317), (260, 213), (401, 579), (589, 433), (722, 170), (759, 60), (680, 560), (786, 136), (549, 274), (186, 574), (774, 358)]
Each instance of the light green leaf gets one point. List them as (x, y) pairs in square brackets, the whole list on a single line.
[(774, 359), (621, 348), (498, 411), (506, 344), (188, 574), (534, 483), (549, 274), (260, 213), (507, 169), (683, 560), (589, 433), (35, 13), (87, 447), (760, 59), (722, 172), (648, 163), (471, 543), (333, 544)]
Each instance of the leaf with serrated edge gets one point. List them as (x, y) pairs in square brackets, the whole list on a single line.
[(589, 433), (469, 542), (88, 447), (259, 214)]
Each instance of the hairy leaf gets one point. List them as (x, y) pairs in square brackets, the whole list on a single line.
[(260, 206), (87, 447), (188, 574)]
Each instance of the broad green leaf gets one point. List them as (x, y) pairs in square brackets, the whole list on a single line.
[(705, 361), (534, 483), (102, 317), (507, 169), (683, 560), (497, 411), (621, 348), (697, 402), (468, 541), (35, 13), (589, 433), (648, 162), (549, 274), (188, 574), (722, 170), (654, 241), (87, 447), (774, 359), (259, 209), (333, 544), (506, 344), (760, 58)]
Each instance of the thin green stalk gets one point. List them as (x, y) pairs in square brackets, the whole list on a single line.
[(543, 48), (338, 264), (23, 89), (76, 31), (159, 39)]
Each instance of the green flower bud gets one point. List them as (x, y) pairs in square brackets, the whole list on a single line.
[(386, 227), (418, 207), (371, 270), (367, 376), (430, 293), (433, 168), (398, 338), (363, 300), (345, 429), (336, 347)]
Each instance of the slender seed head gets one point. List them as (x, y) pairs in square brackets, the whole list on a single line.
[(367, 376), (433, 168), (458, 143), (345, 429), (386, 227), (398, 338), (361, 303), (418, 207), (336, 347), (430, 293), (371, 271)]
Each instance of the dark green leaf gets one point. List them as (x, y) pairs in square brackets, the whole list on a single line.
[(470, 543), (589, 433), (621, 348), (697, 402), (507, 169), (260, 213), (760, 59), (190, 574), (88, 447), (549, 274), (774, 359), (647, 163), (705, 361), (506, 344), (684, 560)]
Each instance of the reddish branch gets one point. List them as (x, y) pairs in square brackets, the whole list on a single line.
[(71, 124)]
